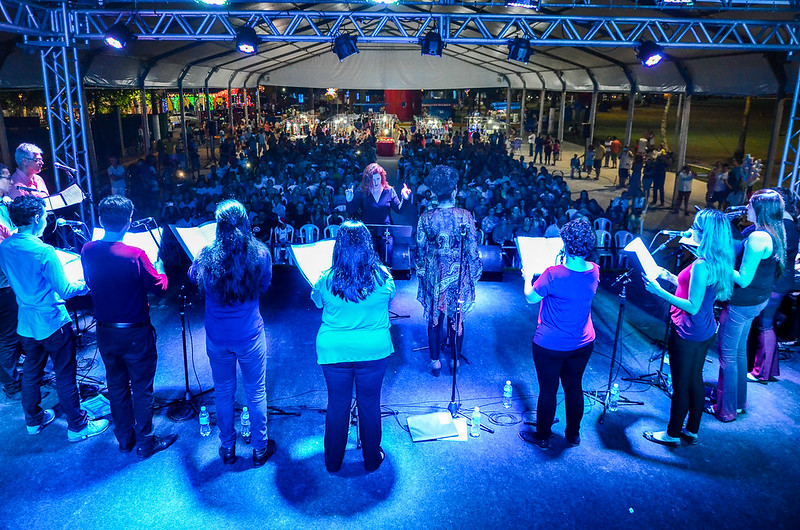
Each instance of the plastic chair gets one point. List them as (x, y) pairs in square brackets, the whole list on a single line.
[(280, 241), (604, 252), (331, 231), (601, 223), (309, 233), (622, 238)]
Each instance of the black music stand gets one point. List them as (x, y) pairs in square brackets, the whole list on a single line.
[(393, 232)]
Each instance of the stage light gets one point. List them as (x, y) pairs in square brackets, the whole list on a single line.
[(431, 44), (247, 40), (649, 53), (677, 3), (213, 3), (527, 4), (519, 49), (385, 1), (118, 36), (344, 46)]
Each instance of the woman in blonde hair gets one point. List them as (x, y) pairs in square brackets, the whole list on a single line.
[(762, 260), (707, 279)]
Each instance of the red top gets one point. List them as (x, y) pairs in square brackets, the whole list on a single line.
[(119, 277)]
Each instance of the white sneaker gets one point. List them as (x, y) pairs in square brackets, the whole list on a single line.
[(47, 419), (93, 428)]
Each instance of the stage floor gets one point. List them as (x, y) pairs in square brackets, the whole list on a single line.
[(744, 474)]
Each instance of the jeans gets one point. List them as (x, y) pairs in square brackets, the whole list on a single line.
[(60, 346), (686, 360), (568, 366), (734, 327), (130, 358), (252, 358), (339, 377), (10, 349)]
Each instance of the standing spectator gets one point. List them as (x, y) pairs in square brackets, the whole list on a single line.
[(539, 143), (548, 149), (232, 272), (116, 176), (119, 277), (625, 164), (685, 178), (721, 188), (659, 179), (607, 151), (711, 184), (556, 150), (564, 336), (531, 141), (599, 156), (616, 148), (45, 328), (354, 342)]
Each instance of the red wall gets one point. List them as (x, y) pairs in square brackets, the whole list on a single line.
[(396, 98)]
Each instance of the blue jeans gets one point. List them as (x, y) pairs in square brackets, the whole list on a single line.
[(252, 358), (368, 376), (734, 327)]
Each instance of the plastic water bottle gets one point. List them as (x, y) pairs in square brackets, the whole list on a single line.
[(205, 427), (507, 391), (245, 421), (475, 428), (613, 398)]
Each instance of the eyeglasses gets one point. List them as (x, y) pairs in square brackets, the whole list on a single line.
[(35, 158)]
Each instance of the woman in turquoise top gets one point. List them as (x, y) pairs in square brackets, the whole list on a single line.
[(353, 342)]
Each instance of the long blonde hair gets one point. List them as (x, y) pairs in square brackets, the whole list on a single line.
[(716, 248)]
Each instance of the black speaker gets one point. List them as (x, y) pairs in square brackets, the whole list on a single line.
[(492, 260), (401, 262)]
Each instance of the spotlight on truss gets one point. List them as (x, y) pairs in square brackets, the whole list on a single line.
[(519, 49), (247, 40), (649, 53), (385, 1), (675, 3), (431, 44), (118, 36), (213, 3), (344, 46), (527, 4)]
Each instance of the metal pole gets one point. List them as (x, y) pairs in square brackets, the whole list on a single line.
[(629, 121), (562, 109), (592, 116), (542, 95)]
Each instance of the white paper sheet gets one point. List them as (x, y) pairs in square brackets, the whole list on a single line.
[(644, 258), (538, 253), (71, 263), (143, 240), (313, 259), (195, 238)]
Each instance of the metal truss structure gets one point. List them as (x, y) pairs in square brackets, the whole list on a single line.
[(789, 173)]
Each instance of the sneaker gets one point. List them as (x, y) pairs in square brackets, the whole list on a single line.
[(47, 418), (93, 428)]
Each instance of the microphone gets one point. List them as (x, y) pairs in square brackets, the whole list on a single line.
[(736, 210), (59, 165), (676, 233), (26, 188), (463, 230), (64, 222), (142, 222)]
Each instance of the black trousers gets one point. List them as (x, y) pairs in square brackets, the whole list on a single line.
[(60, 347), (10, 348), (368, 377), (130, 359), (553, 366), (686, 360)]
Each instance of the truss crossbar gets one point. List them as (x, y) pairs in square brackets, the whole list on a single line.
[(468, 29), (790, 162)]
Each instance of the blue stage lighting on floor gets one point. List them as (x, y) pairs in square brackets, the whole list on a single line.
[(649, 53)]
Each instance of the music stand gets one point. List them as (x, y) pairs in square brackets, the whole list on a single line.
[(385, 232)]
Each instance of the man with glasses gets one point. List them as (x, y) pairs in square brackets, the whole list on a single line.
[(29, 165)]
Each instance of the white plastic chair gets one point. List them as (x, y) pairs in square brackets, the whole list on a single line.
[(309, 233), (622, 238), (601, 223), (281, 240), (604, 251), (331, 231)]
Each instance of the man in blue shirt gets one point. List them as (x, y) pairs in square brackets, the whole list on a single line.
[(37, 277)]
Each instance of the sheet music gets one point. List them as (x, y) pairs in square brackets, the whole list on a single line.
[(644, 258), (538, 253), (147, 241), (71, 263), (195, 238), (72, 195), (313, 259)]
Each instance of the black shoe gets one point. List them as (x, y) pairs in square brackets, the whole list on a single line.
[(126, 448), (228, 454), (159, 443), (383, 457), (260, 457), (574, 440), (531, 438), (13, 391)]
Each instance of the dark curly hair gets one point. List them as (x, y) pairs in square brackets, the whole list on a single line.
[(356, 267), (231, 267), (579, 238), (442, 180), (115, 212), (24, 209)]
